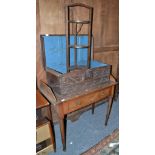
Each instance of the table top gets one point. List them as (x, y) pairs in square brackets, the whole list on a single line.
[(55, 98), (40, 100), (61, 98)]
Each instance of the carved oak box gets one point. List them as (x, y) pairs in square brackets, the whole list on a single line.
[(77, 80)]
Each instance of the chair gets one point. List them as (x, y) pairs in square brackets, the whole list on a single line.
[(45, 138)]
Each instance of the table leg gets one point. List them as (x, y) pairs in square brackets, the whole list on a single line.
[(108, 109), (93, 107), (63, 123), (52, 127)]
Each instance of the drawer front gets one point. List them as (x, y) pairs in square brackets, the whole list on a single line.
[(42, 133), (46, 150), (87, 99), (103, 94)]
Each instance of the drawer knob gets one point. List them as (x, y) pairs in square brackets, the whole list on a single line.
[(92, 100), (75, 105), (103, 94), (78, 103)]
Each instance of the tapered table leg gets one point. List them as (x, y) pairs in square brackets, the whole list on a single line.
[(63, 122), (93, 107), (108, 109)]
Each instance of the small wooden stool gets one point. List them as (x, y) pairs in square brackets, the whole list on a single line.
[(45, 140)]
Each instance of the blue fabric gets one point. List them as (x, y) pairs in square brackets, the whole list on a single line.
[(55, 52)]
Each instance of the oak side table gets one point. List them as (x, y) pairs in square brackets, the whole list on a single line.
[(64, 106)]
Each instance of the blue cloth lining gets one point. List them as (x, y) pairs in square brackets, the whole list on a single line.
[(55, 52)]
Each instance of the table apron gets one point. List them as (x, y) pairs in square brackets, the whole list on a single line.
[(85, 100)]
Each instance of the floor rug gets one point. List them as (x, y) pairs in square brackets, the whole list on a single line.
[(108, 146), (88, 130)]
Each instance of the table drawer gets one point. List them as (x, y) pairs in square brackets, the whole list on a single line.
[(103, 94), (87, 99)]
